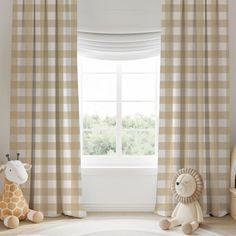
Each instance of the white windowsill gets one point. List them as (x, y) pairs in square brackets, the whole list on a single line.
[(119, 166)]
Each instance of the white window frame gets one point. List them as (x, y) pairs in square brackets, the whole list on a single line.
[(120, 160)]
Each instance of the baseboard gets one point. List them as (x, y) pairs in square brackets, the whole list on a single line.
[(119, 207)]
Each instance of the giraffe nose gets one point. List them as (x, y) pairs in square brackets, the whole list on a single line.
[(177, 183)]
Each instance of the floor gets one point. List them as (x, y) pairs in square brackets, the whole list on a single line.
[(224, 226)]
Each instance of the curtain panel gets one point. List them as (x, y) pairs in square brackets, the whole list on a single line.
[(194, 100), (44, 103)]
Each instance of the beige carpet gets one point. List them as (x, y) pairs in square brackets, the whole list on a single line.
[(116, 224)]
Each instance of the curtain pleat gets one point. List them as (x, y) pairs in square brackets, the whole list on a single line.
[(194, 101), (44, 103)]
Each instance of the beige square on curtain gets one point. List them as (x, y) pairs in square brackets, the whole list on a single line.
[(44, 103), (194, 100)]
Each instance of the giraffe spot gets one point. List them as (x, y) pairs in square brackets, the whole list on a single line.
[(10, 194), (13, 188), (18, 193), (6, 212), (7, 188), (17, 212), (7, 200), (6, 195), (11, 205), (15, 199), (3, 205)]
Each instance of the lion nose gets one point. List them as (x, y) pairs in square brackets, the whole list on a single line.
[(177, 183)]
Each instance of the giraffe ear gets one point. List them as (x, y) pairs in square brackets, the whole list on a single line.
[(27, 166), (2, 168)]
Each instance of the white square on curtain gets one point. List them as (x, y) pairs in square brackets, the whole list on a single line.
[(51, 107), (51, 92), (222, 107), (51, 61), (51, 122), (66, 123), (177, 15), (66, 168), (66, 138), (223, 123), (51, 15), (51, 199), (52, 46), (66, 153), (67, 184), (66, 199), (67, 107), (52, 153), (52, 169), (21, 138), (51, 184), (38, 138), (21, 107), (21, 122), (51, 138)]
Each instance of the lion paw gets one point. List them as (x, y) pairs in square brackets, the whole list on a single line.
[(164, 224), (187, 228)]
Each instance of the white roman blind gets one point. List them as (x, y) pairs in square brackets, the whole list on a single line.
[(119, 29)]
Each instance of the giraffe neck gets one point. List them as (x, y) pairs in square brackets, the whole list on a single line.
[(10, 186)]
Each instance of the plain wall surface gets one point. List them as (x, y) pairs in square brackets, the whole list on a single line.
[(5, 68), (232, 63)]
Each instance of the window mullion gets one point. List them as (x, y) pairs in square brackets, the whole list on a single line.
[(119, 112)]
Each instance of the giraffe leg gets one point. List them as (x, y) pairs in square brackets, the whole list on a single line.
[(35, 216), (11, 221)]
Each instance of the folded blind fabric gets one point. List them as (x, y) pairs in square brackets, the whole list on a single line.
[(119, 46), (116, 30)]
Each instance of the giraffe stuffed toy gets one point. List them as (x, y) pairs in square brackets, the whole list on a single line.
[(13, 205)]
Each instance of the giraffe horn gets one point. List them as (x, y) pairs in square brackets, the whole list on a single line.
[(17, 156), (8, 157)]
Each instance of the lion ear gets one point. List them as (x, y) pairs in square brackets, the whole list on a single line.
[(2, 168), (27, 166)]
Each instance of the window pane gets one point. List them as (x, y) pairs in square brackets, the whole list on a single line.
[(95, 65), (99, 142), (99, 87), (138, 142), (142, 65), (138, 115), (138, 87), (97, 115)]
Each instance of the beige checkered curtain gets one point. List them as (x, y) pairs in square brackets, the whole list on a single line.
[(194, 100), (44, 102)]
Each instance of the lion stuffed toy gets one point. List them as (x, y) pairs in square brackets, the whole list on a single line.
[(187, 186)]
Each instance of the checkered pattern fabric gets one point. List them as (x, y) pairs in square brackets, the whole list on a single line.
[(44, 102), (194, 100)]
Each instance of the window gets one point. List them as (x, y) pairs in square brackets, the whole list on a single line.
[(118, 107)]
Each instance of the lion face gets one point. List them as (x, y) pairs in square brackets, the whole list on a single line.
[(185, 185)]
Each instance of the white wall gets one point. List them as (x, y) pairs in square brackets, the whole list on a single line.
[(5, 68), (232, 58), (5, 57)]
